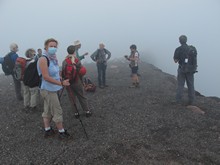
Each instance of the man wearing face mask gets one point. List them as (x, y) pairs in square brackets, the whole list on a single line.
[(30, 94)]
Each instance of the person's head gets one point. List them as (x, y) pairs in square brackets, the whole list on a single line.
[(30, 53), (71, 49), (182, 39), (77, 44), (133, 47), (39, 51), (101, 46), (50, 45), (14, 47)]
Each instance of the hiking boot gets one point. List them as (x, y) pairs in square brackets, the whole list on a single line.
[(76, 115), (137, 85), (88, 113), (64, 135), (105, 85), (49, 133)]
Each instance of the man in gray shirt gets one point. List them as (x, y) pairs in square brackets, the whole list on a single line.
[(101, 56)]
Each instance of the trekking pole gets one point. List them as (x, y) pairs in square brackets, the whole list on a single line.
[(71, 94), (60, 94)]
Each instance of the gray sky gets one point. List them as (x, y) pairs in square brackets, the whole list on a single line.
[(153, 25)]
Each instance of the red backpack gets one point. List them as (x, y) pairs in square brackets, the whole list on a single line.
[(69, 71), (19, 68)]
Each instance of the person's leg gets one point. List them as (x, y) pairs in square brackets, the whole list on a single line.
[(180, 85), (17, 85), (27, 96), (34, 97), (78, 89), (99, 74), (104, 75), (190, 85)]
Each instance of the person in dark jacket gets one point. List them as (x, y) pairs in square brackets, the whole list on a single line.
[(181, 57), (101, 56), (17, 83)]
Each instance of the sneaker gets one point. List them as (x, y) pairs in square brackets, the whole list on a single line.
[(49, 133), (64, 135), (88, 113), (105, 85), (76, 115)]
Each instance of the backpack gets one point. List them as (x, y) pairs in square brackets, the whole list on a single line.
[(31, 76), (191, 65), (8, 64), (70, 71), (88, 85), (19, 68)]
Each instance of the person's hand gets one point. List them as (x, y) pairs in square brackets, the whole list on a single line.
[(175, 60), (126, 56), (85, 54), (65, 82)]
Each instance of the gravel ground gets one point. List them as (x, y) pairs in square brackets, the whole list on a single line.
[(128, 126)]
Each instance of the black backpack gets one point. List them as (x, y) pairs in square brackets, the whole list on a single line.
[(31, 76), (191, 65), (8, 64)]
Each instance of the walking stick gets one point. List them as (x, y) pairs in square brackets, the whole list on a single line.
[(72, 98), (60, 94)]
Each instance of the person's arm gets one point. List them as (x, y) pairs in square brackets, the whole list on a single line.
[(44, 70), (94, 55), (176, 56), (108, 53), (1, 60)]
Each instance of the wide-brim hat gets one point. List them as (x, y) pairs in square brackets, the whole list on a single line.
[(77, 42)]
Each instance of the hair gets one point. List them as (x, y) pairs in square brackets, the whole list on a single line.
[(71, 49), (29, 52), (48, 41), (183, 39), (133, 46), (13, 47)]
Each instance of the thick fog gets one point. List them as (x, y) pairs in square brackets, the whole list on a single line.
[(153, 25)]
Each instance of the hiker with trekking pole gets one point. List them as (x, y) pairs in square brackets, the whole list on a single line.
[(73, 70), (48, 68)]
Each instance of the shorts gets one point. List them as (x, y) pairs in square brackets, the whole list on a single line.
[(134, 70), (52, 108)]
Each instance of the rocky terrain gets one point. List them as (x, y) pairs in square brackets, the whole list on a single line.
[(128, 126)]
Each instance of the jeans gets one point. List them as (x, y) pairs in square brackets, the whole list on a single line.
[(189, 79), (101, 67)]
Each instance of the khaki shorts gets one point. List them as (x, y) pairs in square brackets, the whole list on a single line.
[(52, 108)]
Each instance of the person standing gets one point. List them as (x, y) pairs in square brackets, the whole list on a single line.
[(50, 85), (39, 53), (101, 56), (134, 59), (75, 78), (77, 45), (31, 95), (186, 58), (10, 65)]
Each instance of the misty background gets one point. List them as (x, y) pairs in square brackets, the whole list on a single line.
[(153, 25)]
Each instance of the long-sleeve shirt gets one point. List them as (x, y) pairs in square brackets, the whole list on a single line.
[(101, 55)]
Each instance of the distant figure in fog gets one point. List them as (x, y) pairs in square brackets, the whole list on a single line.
[(39, 53), (134, 60), (77, 45), (31, 95), (8, 63), (101, 56), (186, 57)]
